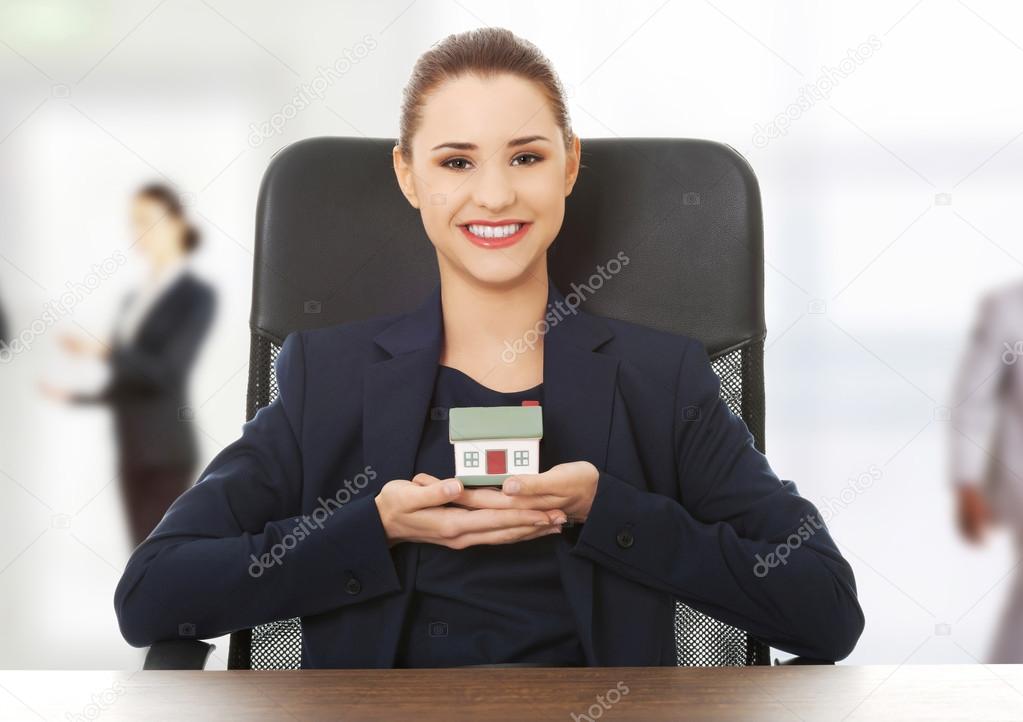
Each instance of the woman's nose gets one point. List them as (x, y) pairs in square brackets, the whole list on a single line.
[(493, 188)]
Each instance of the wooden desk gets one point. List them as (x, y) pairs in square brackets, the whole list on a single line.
[(939, 692)]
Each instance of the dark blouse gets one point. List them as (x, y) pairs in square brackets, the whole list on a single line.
[(486, 603)]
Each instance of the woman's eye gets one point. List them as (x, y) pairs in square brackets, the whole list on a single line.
[(454, 160), (532, 157), (535, 158)]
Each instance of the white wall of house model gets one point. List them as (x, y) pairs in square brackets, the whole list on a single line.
[(531, 447)]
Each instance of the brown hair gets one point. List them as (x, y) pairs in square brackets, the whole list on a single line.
[(484, 52), (166, 196)]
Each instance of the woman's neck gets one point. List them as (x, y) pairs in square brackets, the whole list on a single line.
[(161, 265), (496, 332)]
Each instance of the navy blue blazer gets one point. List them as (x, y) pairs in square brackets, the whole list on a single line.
[(685, 506), (149, 378)]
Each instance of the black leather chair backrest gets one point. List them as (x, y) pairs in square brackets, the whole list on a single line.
[(337, 241)]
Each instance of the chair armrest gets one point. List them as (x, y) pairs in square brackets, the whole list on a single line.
[(178, 654), (802, 660)]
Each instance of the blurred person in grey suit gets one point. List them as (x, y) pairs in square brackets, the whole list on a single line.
[(157, 334), (986, 442)]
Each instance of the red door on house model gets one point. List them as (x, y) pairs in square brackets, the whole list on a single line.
[(497, 461)]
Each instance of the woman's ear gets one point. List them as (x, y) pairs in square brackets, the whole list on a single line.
[(403, 173), (572, 162)]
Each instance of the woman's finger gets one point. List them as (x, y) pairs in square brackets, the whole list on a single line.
[(452, 522), (417, 496), (424, 479), (556, 515), (489, 498), (500, 536), (497, 499)]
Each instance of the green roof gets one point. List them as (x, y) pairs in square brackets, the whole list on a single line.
[(495, 422)]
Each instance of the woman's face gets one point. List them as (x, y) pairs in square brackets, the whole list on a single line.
[(464, 170), (156, 233)]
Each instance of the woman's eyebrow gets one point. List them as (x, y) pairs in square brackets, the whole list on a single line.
[(472, 146)]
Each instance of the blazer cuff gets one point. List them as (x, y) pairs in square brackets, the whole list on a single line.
[(357, 537), (621, 530)]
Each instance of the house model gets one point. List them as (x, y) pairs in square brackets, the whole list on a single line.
[(494, 442)]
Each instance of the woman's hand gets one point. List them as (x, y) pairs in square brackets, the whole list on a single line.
[(82, 346), (415, 511), (570, 487), (974, 513), (53, 392)]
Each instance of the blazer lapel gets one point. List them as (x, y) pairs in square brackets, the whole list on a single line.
[(168, 301), (395, 405), (398, 390), (579, 389)]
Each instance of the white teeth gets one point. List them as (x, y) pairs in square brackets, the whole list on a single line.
[(495, 231)]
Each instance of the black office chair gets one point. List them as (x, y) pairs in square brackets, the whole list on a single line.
[(336, 241)]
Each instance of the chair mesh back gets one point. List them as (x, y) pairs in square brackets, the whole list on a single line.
[(700, 640)]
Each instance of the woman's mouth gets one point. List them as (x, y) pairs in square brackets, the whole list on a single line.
[(487, 236)]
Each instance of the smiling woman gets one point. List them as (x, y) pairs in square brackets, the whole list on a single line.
[(667, 496), (487, 153)]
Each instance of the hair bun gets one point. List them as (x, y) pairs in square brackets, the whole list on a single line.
[(191, 238)]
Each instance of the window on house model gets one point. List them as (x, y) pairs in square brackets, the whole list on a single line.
[(471, 458), (521, 458)]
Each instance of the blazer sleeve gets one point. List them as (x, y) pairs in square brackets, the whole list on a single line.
[(977, 400), (743, 546), (136, 371), (234, 550)]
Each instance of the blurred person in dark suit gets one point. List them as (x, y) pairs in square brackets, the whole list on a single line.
[(3, 325), (986, 443), (157, 334)]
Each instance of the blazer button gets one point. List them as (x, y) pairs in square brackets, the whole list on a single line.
[(625, 539), (353, 586)]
